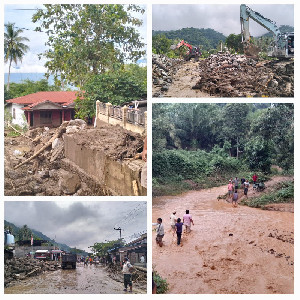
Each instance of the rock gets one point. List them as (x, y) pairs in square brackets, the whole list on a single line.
[(68, 183), (57, 142)]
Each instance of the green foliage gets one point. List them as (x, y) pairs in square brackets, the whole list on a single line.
[(234, 42), (14, 47), (101, 249), (205, 38), (219, 141), (161, 284), (27, 87), (160, 44), (117, 87), (282, 193), (88, 39)]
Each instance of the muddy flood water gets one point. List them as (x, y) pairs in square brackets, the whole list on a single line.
[(229, 250), (92, 279)]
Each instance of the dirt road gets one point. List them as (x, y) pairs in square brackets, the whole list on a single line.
[(229, 250), (83, 280), (183, 81)]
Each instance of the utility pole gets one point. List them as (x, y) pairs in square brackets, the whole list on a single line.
[(120, 229)]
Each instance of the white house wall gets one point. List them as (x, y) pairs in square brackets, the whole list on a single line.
[(19, 114)]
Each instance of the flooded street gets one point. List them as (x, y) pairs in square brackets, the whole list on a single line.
[(229, 250), (92, 279)]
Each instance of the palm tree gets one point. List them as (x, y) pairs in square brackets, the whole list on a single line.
[(14, 48)]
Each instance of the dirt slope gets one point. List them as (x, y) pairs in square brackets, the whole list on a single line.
[(230, 250), (183, 81)]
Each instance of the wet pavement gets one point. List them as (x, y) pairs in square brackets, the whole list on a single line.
[(229, 250), (91, 279)]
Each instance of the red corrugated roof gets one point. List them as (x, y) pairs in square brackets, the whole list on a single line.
[(65, 97)]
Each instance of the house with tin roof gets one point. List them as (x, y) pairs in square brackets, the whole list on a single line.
[(43, 108)]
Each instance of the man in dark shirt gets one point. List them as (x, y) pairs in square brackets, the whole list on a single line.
[(178, 229)]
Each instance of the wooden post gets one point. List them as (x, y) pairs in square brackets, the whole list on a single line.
[(108, 106), (97, 112), (124, 115), (146, 122)]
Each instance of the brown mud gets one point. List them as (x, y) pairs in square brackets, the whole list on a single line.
[(92, 279), (45, 174), (230, 250)]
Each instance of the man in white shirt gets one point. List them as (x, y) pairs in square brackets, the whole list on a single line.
[(127, 270), (160, 231), (173, 220)]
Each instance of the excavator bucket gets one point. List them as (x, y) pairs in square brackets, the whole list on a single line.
[(251, 50)]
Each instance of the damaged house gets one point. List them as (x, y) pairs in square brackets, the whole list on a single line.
[(43, 108)]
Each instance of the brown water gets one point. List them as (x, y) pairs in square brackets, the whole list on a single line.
[(229, 250), (90, 279)]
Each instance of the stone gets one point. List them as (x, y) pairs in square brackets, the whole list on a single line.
[(68, 183)]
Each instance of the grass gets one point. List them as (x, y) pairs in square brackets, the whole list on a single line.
[(282, 192)]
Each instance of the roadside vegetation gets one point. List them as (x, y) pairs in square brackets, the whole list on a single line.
[(198, 146), (161, 284), (282, 192)]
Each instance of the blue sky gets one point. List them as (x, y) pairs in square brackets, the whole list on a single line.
[(21, 14)]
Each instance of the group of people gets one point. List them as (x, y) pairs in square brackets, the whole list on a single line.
[(176, 226), (233, 186)]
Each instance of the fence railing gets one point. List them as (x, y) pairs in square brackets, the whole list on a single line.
[(129, 118)]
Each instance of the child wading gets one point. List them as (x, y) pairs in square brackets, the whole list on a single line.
[(178, 229), (235, 198)]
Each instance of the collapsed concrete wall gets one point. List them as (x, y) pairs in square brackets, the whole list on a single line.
[(115, 176)]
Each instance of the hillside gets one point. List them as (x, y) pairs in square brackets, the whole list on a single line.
[(36, 235), (206, 38)]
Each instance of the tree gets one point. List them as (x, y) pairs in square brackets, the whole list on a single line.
[(24, 233), (234, 42), (14, 48), (160, 44), (86, 40), (116, 87)]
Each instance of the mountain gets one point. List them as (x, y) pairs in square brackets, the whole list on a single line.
[(206, 38), (36, 235)]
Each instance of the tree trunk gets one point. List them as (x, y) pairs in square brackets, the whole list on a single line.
[(8, 77)]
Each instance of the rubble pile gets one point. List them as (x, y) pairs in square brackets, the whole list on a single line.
[(34, 168), (228, 75), (20, 268), (35, 162), (139, 276), (163, 69)]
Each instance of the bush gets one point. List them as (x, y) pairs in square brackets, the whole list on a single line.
[(161, 284)]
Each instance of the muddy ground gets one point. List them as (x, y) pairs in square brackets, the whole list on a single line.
[(230, 250), (46, 175), (91, 279), (222, 75)]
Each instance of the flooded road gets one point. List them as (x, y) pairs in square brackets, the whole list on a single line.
[(92, 279), (229, 250)]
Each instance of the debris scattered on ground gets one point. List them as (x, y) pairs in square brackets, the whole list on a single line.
[(17, 269), (229, 75), (163, 69), (35, 166), (139, 276)]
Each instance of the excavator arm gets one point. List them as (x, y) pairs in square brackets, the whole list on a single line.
[(246, 13)]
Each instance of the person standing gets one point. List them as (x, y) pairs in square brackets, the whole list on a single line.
[(187, 221), (173, 220), (243, 181), (235, 198), (230, 189), (246, 187), (178, 230), (160, 231), (254, 178), (127, 270), (236, 183)]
